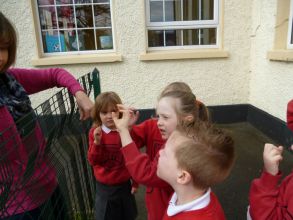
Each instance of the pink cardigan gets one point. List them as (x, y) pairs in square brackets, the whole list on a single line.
[(28, 193)]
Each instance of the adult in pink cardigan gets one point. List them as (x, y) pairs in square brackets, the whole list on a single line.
[(23, 196), (267, 198)]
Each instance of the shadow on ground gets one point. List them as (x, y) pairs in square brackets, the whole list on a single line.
[(233, 193)]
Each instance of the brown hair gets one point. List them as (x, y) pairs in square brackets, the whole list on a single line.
[(206, 152), (176, 86), (8, 40), (188, 105), (104, 102)]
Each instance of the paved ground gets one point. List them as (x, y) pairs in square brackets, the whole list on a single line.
[(233, 193)]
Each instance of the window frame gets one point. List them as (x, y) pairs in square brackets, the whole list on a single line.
[(38, 33), (290, 23), (181, 25)]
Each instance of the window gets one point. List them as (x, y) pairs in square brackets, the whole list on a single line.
[(74, 26), (283, 42), (182, 24), (290, 29)]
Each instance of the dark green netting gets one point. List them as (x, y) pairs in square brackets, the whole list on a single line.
[(65, 150)]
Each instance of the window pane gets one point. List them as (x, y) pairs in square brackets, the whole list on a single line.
[(102, 16), (65, 17), (173, 37), (173, 10), (52, 42), (190, 10), (45, 2), (82, 1), (191, 37), (70, 40), (207, 9), (156, 38), (104, 39), (208, 36), (84, 16), (101, 1), (86, 39), (47, 18), (156, 11), (59, 2)]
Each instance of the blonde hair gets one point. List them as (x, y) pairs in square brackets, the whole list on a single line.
[(187, 105), (206, 152), (104, 102), (176, 86)]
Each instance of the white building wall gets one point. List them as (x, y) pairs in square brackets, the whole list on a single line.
[(246, 76), (271, 82)]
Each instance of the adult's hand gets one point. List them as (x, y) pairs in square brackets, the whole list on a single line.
[(85, 105)]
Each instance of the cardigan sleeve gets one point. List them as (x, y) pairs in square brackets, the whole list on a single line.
[(290, 115), (36, 80)]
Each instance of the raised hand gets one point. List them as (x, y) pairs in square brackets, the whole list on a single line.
[(272, 156), (97, 135)]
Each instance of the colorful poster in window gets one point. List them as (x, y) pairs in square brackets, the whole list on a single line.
[(53, 44)]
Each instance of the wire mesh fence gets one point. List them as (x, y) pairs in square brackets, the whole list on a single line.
[(51, 157)]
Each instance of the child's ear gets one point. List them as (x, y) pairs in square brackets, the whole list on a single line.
[(184, 177)]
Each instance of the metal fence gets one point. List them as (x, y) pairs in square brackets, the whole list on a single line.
[(66, 150)]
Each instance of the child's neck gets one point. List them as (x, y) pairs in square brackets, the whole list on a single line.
[(188, 193)]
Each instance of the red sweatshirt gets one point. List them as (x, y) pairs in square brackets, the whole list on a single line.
[(290, 115), (143, 166), (106, 158), (268, 200), (213, 211)]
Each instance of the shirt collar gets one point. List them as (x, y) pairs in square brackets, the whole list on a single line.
[(199, 203), (106, 129)]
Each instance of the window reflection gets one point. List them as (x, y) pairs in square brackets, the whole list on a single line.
[(102, 15), (84, 16)]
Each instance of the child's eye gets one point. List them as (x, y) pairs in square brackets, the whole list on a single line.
[(155, 116), (164, 117)]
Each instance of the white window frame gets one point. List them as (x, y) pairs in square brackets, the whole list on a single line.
[(86, 52), (215, 23), (289, 44)]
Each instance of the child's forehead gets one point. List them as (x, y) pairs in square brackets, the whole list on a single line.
[(166, 104), (108, 107)]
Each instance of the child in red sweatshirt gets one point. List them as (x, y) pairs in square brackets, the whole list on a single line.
[(114, 194), (268, 199), (153, 133), (196, 157)]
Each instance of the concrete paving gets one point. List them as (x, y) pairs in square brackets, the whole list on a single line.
[(233, 193)]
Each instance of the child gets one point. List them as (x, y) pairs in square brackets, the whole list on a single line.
[(173, 108), (267, 199), (25, 191), (114, 196), (194, 159)]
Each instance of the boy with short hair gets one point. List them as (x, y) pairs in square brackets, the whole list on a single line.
[(196, 157)]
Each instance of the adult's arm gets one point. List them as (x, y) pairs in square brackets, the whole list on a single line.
[(36, 80), (290, 115)]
